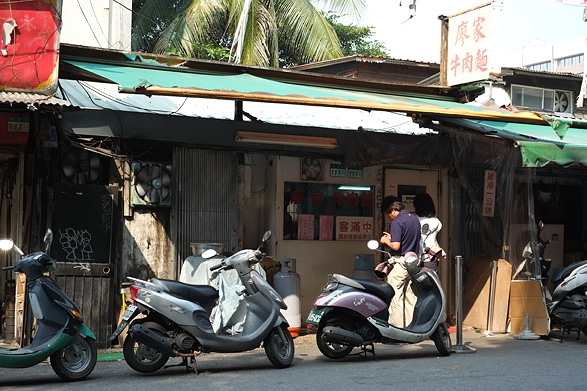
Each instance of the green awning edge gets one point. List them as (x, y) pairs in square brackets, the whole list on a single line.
[(536, 154), (558, 124)]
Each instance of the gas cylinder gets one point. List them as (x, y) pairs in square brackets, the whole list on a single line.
[(287, 283)]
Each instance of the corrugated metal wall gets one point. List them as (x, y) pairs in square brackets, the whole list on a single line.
[(204, 204)]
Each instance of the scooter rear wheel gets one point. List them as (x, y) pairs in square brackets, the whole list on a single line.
[(76, 360), (141, 357), (441, 338), (332, 349), (279, 347)]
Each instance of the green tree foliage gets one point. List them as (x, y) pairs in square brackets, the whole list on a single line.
[(243, 31), (354, 40)]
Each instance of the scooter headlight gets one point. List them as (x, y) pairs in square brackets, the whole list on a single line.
[(412, 263)]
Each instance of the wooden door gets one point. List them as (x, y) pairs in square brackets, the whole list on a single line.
[(83, 247)]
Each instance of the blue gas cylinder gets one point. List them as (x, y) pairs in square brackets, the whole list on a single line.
[(287, 283)]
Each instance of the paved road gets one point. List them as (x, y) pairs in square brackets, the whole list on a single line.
[(500, 362)]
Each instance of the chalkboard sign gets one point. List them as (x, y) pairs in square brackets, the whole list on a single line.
[(83, 225)]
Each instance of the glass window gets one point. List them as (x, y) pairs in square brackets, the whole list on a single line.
[(319, 211), (533, 97), (548, 100), (517, 93), (536, 98)]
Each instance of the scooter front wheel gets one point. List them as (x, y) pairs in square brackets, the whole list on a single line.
[(76, 360), (330, 349), (441, 338), (279, 347), (142, 358)]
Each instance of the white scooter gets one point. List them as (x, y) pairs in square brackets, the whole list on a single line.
[(567, 306), (353, 313), (177, 318)]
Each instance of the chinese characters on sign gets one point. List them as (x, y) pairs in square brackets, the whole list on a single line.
[(354, 228), (489, 193), (469, 43), (326, 227), (306, 227), (322, 211)]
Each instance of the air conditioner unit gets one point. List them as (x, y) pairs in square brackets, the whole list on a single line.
[(563, 102), (151, 184)]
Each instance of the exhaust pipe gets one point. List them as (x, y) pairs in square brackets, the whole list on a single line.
[(338, 335), (152, 339)]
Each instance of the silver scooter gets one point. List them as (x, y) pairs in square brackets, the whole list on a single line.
[(177, 318), (353, 313)]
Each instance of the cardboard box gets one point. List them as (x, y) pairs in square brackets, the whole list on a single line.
[(526, 297), (477, 294)]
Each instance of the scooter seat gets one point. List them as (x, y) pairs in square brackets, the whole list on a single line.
[(197, 293), (561, 273), (379, 288)]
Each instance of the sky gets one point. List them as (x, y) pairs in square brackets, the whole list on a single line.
[(418, 38)]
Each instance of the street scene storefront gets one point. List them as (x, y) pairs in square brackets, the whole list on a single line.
[(142, 158)]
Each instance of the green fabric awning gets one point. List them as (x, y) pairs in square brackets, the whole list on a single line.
[(539, 144), (276, 87), (542, 139)]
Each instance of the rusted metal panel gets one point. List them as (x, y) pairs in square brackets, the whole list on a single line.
[(205, 208), (30, 45)]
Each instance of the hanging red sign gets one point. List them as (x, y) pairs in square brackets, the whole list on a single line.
[(30, 45)]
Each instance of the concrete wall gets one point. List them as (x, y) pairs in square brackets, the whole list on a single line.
[(316, 259), (103, 23)]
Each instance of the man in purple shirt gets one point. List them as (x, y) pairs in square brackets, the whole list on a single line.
[(403, 236)]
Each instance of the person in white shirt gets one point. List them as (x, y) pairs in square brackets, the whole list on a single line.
[(424, 207)]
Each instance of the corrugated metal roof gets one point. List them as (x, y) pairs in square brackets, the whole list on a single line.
[(95, 95), (356, 58), (175, 81), (32, 100)]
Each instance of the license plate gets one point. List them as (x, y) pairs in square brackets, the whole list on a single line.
[(129, 311), (124, 321), (314, 316)]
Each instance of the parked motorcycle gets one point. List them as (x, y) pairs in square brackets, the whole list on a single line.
[(177, 318), (353, 313), (567, 306), (60, 333)]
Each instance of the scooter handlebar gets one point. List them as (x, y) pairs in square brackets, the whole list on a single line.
[(7, 267)]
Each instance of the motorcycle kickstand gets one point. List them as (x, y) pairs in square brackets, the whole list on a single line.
[(189, 366), (367, 348)]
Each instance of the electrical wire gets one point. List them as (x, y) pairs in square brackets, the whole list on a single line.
[(88, 22)]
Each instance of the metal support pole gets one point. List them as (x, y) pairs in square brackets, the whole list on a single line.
[(491, 294), (459, 347)]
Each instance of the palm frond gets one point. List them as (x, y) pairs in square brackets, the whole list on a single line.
[(308, 32)]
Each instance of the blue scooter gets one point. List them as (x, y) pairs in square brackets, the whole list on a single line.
[(60, 333)]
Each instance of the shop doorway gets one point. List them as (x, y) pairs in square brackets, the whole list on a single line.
[(405, 184), (83, 248)]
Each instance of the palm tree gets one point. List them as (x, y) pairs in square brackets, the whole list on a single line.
[(249, 29)]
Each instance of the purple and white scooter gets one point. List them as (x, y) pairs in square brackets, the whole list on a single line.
[(353, 313)]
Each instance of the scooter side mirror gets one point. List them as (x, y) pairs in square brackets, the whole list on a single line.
[(373, 244), (48, 239), (266, 236), (540, 225), (6, 244)]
